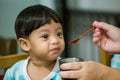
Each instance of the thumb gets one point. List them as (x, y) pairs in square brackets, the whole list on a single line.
[(102, 25)]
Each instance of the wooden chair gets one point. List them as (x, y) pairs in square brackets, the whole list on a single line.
[(8, 46), (105, 57), (9, 60)]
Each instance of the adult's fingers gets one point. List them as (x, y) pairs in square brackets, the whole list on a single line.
[(71, 66), (102, 25), (72, 74)]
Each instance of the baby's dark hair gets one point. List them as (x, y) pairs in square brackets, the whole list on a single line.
[(32, 18)]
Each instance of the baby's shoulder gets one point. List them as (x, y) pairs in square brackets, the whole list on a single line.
[(19, 65), (17, 71)]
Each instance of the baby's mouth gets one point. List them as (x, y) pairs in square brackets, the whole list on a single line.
[(55, 50)]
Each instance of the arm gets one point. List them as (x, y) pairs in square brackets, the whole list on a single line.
[(113, 74), (89, 71)]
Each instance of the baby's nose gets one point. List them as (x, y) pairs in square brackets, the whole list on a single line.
[(54, 40)]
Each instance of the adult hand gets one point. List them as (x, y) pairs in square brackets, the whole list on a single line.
[(84, 70), (107, 37), (89, 71)]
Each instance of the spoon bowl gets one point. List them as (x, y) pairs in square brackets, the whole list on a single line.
[(81, 36)]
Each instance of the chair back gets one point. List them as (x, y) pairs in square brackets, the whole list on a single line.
[(105, 57), (9, 60)]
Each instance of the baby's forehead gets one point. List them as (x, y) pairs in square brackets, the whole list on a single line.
[(50, 27)]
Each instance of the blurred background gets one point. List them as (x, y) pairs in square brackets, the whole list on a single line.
[(78, 16)]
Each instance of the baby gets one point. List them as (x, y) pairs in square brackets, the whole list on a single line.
[(39, 33)]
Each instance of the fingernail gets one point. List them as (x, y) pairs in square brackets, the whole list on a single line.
[(95, 22)]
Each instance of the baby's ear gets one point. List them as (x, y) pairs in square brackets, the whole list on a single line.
[(24, 44)]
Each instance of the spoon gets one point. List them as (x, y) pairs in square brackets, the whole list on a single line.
[(81, 36)]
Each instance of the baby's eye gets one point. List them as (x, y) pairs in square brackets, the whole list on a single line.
[(60, 34), (45, 36)]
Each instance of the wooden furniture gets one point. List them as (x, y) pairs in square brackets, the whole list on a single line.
[(105, 57), (8, 46), (9, 60)]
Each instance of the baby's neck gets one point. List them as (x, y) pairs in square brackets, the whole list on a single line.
[(38, 70), (40, 63)]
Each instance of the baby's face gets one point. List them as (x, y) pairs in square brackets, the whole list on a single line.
[(47, 42)]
